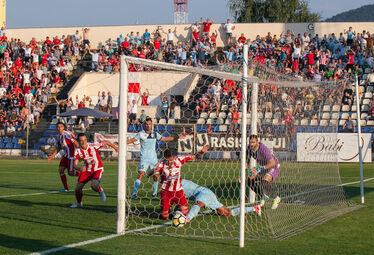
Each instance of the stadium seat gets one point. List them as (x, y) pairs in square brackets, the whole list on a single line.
[(329, 129), (364, 115), (311, 129), (340, 129), (333, 122), (335, 116), (216, 129), (204, 115), (363, 123), (368, 95), (55, 133), (52, 127), (345, 108), (210, 121), (21, 134), (314, 122), (354, 115), (222, 115), (15, 140), (222, 128), (326, 116), (370, 89), (344, 116), (46, 134), (9, 146), (1, 145), (365, 108), (354, 108), (227, 121), (326, 108), (37, 146), (71, 122), (8, 140), (54, 121), (323, 123), (213, 115), (367, 129), (336, 108), (159, 128), (43, 141), (224, 107), (304, 122), (260, 115), (220, 121), (342, 122), (320, 129), (132, 128), (17, 146), (199, 128), (200, 121), (268, 115), (370, 123), (162, 121), (168, 128), (366, 101), (171, 121), (275, 122), (300, 129)]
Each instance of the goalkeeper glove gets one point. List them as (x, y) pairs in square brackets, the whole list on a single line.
[(255, 170)]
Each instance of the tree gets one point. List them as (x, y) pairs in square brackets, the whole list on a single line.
[(285, 11)]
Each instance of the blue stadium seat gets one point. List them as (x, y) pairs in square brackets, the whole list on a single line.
[(17, 146), (281, 129), (7, 140), (168, 128), (199, 128), (340, 129), (1, 139), (52, 127), (43, 141), (329, 129), (21, 134), (311, 129), (320, 129), (159, 128), (9, 146), (367, 130), (55, 133), (46, 134), (15, 140), (300, 129), (132, 128), (293, 146), (1, 145), (216, 129), (140, 128), (37, 146)]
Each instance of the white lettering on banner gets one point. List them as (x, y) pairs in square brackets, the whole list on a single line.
[(332, 147)]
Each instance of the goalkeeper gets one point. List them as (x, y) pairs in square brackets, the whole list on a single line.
[(203, 196), (260, 177)]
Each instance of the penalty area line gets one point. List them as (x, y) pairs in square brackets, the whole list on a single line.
[(100, 239)]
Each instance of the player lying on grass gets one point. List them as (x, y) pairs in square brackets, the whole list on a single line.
[(203, 196), (260, 177), (148, 156), (169, 169), (93, 167), (66, 142)]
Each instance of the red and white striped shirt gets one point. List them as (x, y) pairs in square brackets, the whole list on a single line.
[(66, 142), (171, 174), (91, 157)]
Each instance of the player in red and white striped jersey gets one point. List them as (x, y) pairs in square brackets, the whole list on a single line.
[(171, 183), (93, 167), (66, 142)]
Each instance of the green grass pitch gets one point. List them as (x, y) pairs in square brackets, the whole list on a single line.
[(44, 220)]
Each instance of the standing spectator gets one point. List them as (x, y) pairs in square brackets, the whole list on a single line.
[(164, 106), (229, 27), (207, 24), (350, 34), (109, 103), (144, 97), (170, 36), (173, 104), (95, 60), (234, 119), (133, 111)]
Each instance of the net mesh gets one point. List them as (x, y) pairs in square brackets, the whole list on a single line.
[(207, 108)]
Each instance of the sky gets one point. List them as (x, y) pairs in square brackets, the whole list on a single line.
[(56, 13)]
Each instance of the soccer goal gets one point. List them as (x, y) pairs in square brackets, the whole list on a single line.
[(221, 106)]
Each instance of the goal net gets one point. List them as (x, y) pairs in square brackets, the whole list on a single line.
[(205, 105)]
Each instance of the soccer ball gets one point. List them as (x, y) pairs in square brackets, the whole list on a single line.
[(179, 220)]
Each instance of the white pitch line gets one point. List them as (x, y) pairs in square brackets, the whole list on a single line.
[(61, 248)]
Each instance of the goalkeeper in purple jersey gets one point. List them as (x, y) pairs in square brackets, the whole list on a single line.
[(260, 177)]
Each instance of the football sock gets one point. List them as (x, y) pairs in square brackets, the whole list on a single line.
[(136, 187), (236, 211), (154, 188), (100, 189), (193, 212), (64, 182), (79, 197), (268, 189)]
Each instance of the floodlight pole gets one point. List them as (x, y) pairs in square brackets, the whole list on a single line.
[(243, 147), (359, 141), (122, 149)]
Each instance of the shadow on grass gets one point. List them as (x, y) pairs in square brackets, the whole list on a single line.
[(32, 245)]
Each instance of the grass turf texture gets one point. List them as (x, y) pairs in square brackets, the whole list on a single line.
[(40, 222)]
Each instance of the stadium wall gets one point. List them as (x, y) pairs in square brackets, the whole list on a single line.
[(99, 34)]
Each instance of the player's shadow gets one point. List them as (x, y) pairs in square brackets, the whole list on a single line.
[(25, 188), (32, 245)]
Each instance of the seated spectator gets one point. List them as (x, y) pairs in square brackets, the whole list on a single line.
[(85, 124), (349, 126), (142, 117)]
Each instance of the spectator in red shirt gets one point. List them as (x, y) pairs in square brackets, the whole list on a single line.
[(144, 97), (242, 39), (207, 24)]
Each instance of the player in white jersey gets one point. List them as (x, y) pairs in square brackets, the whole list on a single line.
[(204, 197), (66, 142), (148, 155), (93, 167), (171, 183)]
